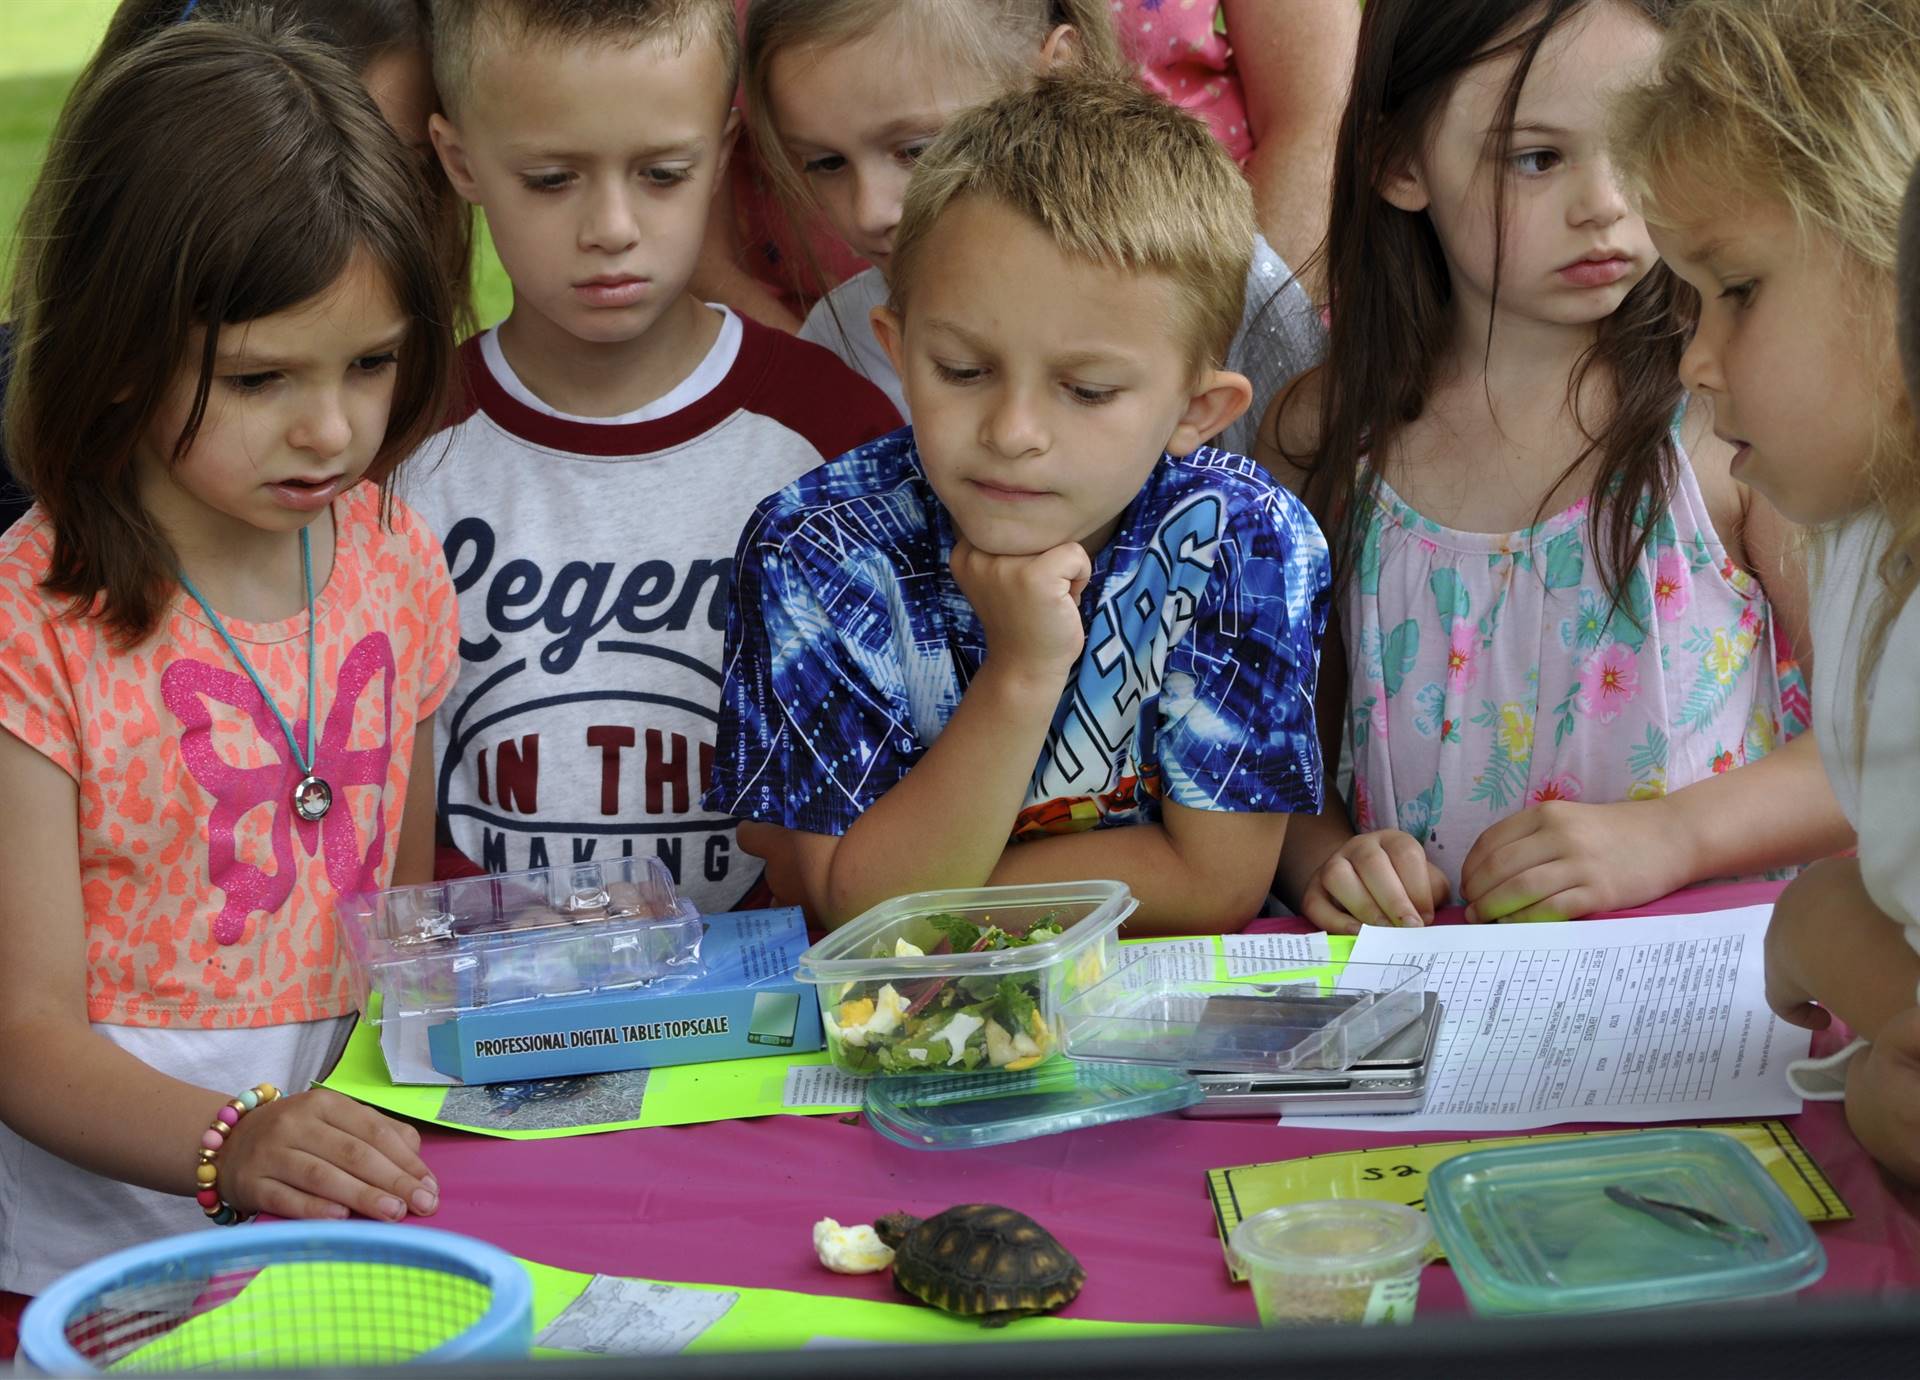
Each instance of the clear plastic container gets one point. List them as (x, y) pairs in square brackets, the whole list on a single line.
[(517, 937), (965, 1113), (1648, 1219), (1350, 1261), (963, 981), (1292, 1018)]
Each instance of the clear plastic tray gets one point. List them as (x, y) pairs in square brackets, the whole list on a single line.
[(1609, 1222), (1290, 1018), (966, 1112), (518, 936), (925, 984)]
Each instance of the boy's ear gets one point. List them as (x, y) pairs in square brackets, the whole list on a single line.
[(453, 156), (1217, 402), (1405, 188), (1061, 50), (729, 137), (890, 331)]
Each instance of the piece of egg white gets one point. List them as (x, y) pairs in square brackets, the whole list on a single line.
[(852, 1250), (889, 1009)]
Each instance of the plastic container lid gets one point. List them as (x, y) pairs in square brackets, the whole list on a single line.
[(1614, 1222), (1290, 1017), (966, 1111), (509, 937), (1085, 911)]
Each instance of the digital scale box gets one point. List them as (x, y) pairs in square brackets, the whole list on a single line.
[(560, 971)]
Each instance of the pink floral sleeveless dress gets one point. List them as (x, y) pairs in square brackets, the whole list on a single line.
[(1492, 672)]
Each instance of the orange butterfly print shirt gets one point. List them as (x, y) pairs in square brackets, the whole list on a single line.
[(209, 903)]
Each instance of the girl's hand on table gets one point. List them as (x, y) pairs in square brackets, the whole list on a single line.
[(318, 1154), (1561, 860), (1378, 878)]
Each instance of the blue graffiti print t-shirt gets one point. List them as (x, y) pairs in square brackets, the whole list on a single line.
[(849, 646)]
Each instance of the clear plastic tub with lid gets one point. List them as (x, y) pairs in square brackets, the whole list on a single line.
[(963, 981), (1290, 1017), (1347, 1261), (491, 941), (1649, 1219)]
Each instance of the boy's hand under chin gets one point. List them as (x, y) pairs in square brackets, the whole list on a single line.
[(1028, 605)]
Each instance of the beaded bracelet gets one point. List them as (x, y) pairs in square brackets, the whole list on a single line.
[(207, 1172)]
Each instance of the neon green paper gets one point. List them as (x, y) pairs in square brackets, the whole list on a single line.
[(675, 1096), (770, 1319), (320, 1314), (328, 1314), (680, 1094)]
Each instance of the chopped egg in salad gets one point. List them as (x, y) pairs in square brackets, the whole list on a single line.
[(945, 1023)]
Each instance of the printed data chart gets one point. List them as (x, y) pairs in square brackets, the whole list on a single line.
[(1653, 1019)]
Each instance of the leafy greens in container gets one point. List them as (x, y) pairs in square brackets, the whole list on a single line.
[(963, 981)]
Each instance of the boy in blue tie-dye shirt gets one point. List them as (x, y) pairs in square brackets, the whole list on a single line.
[(969, 651)]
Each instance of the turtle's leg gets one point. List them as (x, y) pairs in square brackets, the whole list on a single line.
[(1004, 1316)]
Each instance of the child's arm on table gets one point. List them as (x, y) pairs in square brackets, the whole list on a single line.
[(946, 822), (1195, 872), (91, 1103), (1562, 859), (1828, 942), (1333, 877), (1883, 1096)]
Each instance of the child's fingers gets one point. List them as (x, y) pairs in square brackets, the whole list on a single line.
[(1493, 886), (1565, 905), (284, 1200), (1803, 1014), (369, 1164), (1324, 913), (317, 1175), (1386, 887), (397, 1140), (1425, 884), (1525, 889), (1482, 869), (1350, 892)]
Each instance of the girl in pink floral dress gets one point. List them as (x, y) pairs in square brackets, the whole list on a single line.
[(1565, 622)]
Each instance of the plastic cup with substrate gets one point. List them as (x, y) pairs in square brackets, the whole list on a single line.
[(1353, 1261)]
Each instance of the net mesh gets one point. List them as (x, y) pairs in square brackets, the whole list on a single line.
[(288, 1306)]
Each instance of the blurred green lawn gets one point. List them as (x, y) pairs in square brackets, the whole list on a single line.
[(43, 44)]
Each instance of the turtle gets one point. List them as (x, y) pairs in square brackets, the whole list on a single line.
[(509, 1098), (981, 1260)]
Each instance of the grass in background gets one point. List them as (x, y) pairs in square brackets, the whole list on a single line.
[(43, 45)]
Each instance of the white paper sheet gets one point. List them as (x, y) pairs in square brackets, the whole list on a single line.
[(822, 1085), (634, 1317), (1249, 954), (1661, 1018), (1184, 960)]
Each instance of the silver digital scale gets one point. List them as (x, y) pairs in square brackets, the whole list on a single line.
[(1392, 1077)]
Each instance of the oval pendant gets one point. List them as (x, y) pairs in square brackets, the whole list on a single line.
[(312, 798)]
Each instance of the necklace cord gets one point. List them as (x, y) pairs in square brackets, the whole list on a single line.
[(306, 570)]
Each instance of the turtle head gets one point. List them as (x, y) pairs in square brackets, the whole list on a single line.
[(894, 1227)]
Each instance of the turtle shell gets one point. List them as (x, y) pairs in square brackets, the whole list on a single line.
[(985, 1261)]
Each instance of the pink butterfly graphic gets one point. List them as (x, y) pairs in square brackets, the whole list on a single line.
[(187, 687)]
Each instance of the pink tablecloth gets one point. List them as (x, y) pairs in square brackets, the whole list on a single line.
[(733, 1202)]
